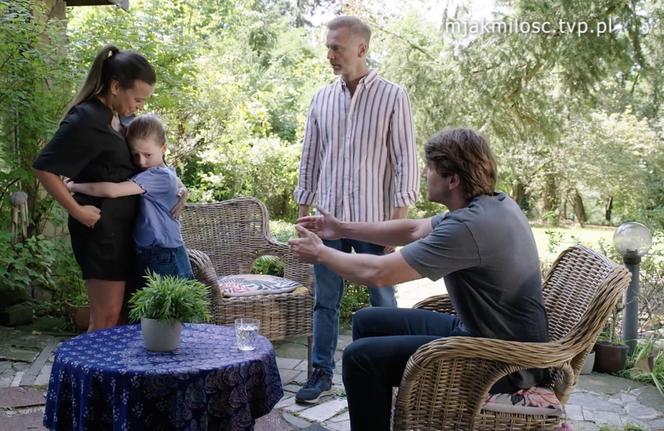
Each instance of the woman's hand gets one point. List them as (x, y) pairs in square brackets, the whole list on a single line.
[(87, 215)]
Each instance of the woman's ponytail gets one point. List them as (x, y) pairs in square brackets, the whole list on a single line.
[(93, 85), (112, 64)]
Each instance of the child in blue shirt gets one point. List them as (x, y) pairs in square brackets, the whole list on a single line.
[(159, 244)]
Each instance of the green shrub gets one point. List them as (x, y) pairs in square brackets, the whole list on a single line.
[(356, 297), (170, 298), (24, 265), (282, 231), (654, 376), (268, 265)]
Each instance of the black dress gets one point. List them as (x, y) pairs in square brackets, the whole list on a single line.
[(87, 149)]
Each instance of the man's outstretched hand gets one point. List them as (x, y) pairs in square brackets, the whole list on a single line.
[(308, 246), (326, 226)]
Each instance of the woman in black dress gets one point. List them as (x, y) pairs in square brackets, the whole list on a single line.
[(90, 146)]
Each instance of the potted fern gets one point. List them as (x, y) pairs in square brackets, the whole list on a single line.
[(163, 305)]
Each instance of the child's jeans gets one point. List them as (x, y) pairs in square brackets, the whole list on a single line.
[(163, 261)]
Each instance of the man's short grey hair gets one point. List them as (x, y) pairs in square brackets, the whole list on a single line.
[(353, 24)]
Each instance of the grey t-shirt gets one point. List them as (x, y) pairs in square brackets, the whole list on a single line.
[(487, 255)]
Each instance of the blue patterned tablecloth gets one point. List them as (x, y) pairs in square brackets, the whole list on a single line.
[(107, 380)]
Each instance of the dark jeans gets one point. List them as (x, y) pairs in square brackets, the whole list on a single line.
[(383, 340), (163, 261), (329, 288)]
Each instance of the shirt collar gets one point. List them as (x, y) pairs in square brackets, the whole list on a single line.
[(104, 111), (367, 80)]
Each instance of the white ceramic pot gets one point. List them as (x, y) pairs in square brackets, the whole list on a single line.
[(588, 364), (160, 335)]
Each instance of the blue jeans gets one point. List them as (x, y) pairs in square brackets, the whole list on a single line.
[(163, 261), (329, 288)]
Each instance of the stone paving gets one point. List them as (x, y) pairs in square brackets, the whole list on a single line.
[(599, 402)]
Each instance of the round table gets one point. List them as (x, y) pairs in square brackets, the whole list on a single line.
[(107, 380)]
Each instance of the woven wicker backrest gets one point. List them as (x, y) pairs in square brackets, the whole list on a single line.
[(570, 286), (231, 232)]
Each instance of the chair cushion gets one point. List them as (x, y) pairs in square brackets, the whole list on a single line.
[(532, 401), (255, 284)]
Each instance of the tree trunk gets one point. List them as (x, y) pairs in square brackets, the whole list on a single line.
[(550, 208), (608, 209), (519, 194), (579, 209)]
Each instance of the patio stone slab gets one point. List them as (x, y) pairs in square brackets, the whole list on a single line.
[(342, 417), (11, 353), (296, 421), (584, 426), (44, 376), (657, 425), (324, 411), (36, 368), (12, 398), (315, 427), (273, 421), (606, 384), (339, 426), (288, 363), (608, 418), (574, 412), (642, 412), (288, 376), (292, 388), (649, 396), (31, 422)]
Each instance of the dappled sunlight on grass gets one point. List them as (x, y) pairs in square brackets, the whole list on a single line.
[(553, 240)]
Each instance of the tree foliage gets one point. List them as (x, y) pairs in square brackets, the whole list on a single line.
[(575, 119)]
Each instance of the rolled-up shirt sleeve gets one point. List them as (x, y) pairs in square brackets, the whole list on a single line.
[(305, 192), (403, 153), (72, 147)]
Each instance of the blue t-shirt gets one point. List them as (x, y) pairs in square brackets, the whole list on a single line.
[(155, 226)]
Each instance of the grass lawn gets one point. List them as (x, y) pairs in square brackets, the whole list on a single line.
[(551, 241)]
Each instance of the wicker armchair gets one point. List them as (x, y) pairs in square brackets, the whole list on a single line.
[(446, 381), (225, 238)]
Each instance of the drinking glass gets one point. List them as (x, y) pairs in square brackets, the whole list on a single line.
[(246, 333)]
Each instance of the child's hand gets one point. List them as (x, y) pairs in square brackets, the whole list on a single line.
[(70, 185), (183, 193)]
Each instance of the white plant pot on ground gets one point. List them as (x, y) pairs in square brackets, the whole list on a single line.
[(588, 363), (161, 335)]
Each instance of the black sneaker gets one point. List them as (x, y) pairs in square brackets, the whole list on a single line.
[(319, 384)]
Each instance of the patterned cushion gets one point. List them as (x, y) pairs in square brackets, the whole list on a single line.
[(255, 284), (533, 401)]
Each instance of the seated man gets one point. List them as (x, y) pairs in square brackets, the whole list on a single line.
[(484, 249)]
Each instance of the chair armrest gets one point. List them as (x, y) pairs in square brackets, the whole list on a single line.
[(294, 268), (205, 273), (520, 354), (440, 303)]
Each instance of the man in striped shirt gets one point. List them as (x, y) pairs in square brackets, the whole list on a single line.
[(359, 163)]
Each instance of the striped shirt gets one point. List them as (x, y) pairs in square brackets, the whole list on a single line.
[(358, 157)]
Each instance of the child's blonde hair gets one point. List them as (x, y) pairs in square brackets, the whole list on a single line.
[(147, 126)]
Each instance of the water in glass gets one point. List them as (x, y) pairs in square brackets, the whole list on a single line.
[(246, 332)]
